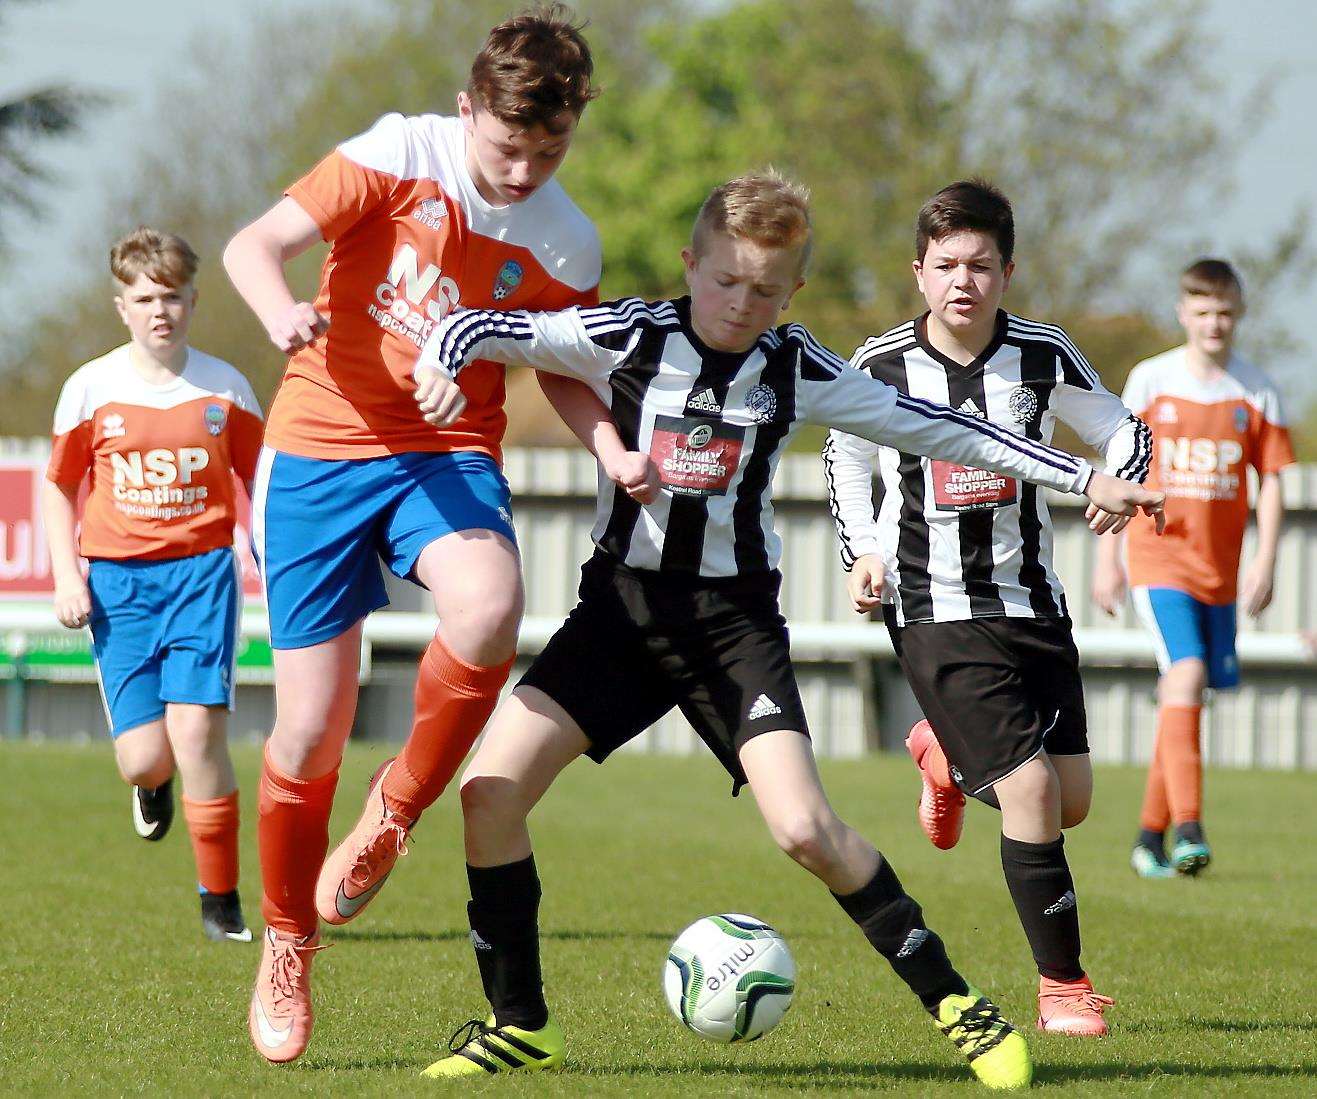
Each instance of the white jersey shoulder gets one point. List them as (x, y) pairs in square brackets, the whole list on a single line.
[(111, 379), (1168, 375), (894, 340), (548, 224)]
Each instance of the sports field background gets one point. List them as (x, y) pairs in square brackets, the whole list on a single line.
[(106, 985)]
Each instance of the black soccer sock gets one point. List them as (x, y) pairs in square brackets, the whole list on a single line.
[(1044, 894), (1190, 831), (894, 924), (504, 915), (1154, 841)]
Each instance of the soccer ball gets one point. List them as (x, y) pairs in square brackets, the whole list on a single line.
[(729, 978)]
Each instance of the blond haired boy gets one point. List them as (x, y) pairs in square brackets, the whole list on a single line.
[(1213, 415), (679, 604), (159, 430)]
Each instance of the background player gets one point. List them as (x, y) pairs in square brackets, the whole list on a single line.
[(421, 213), (679, 604), (159, 430), (1213, 415), (960, 561)]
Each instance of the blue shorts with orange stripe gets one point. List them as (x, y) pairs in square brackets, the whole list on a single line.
[(321, 528)]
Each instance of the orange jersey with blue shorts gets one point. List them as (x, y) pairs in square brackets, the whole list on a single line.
[(411, 240), (161, 458), (1205, 436)]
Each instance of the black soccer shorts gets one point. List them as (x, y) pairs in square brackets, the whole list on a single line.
[(997, 691), (637, 644)]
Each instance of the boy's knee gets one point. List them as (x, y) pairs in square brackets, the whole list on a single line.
[(808, 838), (1074, 814), (491, 798)]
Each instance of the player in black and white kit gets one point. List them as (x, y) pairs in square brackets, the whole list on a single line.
[(679, 603), (960, 559)]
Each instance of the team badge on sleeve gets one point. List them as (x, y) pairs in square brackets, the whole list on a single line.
[(216, 418), (1023, 404), (509, 278), (761, 403), (1241, 420)]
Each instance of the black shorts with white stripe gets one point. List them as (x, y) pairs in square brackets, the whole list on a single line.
[(997, 691), (640, 643)]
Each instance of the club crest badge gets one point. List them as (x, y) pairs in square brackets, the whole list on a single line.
[(761, 403), (1022, 404), (215, 418), (508, 279), (1241, 420)]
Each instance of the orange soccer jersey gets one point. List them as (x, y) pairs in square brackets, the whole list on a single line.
[(1205, 435), (412, 239), (161, 458)]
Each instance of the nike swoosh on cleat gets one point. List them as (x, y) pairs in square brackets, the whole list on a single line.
[(348, 907), (270, 1037)]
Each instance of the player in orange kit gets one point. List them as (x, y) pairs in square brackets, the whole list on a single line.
[(1212, 416), (422, 214), (160, 429)]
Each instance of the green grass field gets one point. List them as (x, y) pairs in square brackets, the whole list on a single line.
[(106, 985)]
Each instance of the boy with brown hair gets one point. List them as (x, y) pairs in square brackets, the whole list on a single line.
[(679, 603), (160, 430), (1213, 415), (422, 214), (960, 562)]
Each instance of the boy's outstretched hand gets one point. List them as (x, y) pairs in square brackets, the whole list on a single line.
[(637, 475), (440, 400), (1113, 502)]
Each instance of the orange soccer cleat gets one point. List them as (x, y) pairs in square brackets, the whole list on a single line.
[(280, 1015), (358, 867), (1071, 1007), (941, 805)]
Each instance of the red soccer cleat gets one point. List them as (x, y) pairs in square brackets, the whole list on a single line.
[(280, 1017), (941, 805), (1071, 1007), (357, 868)]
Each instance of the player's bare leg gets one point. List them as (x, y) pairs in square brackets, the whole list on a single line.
[(528, 744), (146, 762), (784, 778), (474, 577)]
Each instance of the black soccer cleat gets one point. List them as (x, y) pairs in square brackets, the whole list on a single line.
[(221, 918), (153, 810)]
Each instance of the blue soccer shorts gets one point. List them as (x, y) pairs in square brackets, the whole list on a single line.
[(163, 631), (1182, 627), (320, 529)]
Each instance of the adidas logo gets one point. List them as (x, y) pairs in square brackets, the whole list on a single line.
[(478, 942), (763, 707), (704, 401), (1063, 904), (971, 409), (913, 942)]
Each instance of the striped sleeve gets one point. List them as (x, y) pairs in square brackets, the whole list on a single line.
[(586, 343), (848, 468), (836, 396)]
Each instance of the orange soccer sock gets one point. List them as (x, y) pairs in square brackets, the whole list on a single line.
[(213, 825), (1156, 813), (1180, 755), (294, 836), (453, 701)]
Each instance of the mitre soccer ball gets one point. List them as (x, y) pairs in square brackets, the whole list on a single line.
[(729, 978)]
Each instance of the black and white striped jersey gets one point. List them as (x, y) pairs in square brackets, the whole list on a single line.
[(958, 541), (716, 423)]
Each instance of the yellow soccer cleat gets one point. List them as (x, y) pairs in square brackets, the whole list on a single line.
[(483, 1049), (997, 1053)]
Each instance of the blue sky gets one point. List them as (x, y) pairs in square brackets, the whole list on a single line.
[(127, 46)]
